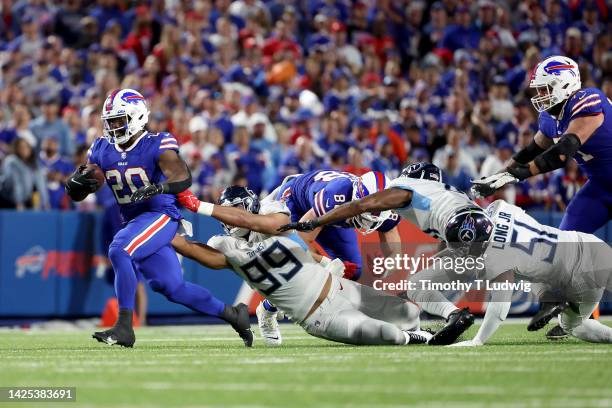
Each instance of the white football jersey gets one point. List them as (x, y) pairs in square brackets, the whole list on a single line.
[(277, 266), (535, 252), (433, 204)]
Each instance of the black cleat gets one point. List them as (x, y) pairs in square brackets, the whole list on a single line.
[(458, 322), (414, 338), (557, 333), (121, 336), (241, 322), (547, 311)]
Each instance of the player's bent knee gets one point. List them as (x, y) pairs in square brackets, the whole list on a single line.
[(169, 291), (116, 252)]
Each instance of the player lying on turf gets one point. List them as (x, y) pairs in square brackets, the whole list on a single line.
[(280, 267), (311, 194), (574, 122), (575, 264), (144, 171), (438, 209)]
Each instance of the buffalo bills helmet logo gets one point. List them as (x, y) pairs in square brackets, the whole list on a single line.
[(556, 67), (131, 97), (467, 230)]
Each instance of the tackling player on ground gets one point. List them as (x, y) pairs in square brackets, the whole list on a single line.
[(573, 123), (144, 171), (282, 269)]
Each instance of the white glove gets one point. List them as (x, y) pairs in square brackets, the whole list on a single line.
[(467, 343), (488, 185)]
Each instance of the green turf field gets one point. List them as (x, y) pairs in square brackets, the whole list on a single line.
[(208, 366)]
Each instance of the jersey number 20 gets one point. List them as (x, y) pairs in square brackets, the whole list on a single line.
[(276, 257), (117, 182)]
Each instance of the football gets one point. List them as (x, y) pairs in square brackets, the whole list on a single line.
[(97, 174)]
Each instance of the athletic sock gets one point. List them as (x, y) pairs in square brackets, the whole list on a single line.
[(125, 319), (269, 306), (433, 302)]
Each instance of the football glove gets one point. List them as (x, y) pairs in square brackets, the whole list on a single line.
[(79, 185), (305, 226), (188, 200), (146, 192), (487, 186)]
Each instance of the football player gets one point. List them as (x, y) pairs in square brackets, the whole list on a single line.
[(438, 209), (574, 123), (281, 268), (144, 171), (574, 263), (312, 194)]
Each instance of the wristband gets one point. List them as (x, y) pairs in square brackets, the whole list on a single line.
[(206, 208)]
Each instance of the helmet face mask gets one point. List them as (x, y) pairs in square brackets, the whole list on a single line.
[(370, 183), (116, 128), (555, 79)]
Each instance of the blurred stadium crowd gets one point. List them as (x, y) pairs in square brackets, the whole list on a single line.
[(257, 90)]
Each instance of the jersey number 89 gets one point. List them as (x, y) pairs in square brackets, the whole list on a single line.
[(276, 257)]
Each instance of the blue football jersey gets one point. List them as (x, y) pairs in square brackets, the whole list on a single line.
[(594, 156), (323, 190), (137, 166)]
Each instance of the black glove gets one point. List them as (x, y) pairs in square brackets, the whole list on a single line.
[(146, 192), (305, 226), (79, 185), (520, 171)]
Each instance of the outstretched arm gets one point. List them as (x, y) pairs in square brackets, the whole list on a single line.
[(199, 252), (238, 217), (389, 199)]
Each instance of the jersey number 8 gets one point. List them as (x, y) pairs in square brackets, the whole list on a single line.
[(276, 257)]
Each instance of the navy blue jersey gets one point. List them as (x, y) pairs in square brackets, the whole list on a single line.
[(595, 156), (137, 166), (323, 190)]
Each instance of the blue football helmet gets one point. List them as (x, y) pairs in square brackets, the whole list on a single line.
[(242, 197), (469, 231), (423, 170)]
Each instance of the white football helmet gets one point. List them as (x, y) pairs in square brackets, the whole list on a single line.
[(369, 183), (555, 79), (124, 114)]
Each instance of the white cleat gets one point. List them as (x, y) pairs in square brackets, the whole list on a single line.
[(268, 326)]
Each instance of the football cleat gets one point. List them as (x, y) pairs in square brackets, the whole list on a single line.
[(415, 337), (547, 311), (121, 336), (458, 322), (268, 326), (557, 333)]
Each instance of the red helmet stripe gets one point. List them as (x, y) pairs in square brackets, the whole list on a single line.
[(380, 181), (111, 98)]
